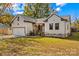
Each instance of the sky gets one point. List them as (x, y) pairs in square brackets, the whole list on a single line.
[(63, 9), (67, 9), (16, 8)]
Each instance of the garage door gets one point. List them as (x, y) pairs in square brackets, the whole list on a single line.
[(19, 31)]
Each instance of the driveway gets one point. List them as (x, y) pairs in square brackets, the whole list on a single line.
[(6, 36)]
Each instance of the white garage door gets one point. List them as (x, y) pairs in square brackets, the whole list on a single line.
[(18, 31)]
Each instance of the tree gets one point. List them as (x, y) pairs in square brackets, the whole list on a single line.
[(3, 7), (4, 16), (76, 23), (37, 10), (6, 19)]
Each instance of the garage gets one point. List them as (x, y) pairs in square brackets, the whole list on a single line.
[(18, 31)]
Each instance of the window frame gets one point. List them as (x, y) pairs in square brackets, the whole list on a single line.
[(50, 26), (56, 26), (18, 19)]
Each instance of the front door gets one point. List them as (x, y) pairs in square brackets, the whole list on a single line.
[(40, 29)]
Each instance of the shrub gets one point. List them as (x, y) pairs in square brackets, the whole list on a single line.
[(32, 33)]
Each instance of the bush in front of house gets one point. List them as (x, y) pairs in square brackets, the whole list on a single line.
[(31, 33)]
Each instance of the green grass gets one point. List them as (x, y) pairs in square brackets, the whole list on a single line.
[(75, 36), (44, 46)]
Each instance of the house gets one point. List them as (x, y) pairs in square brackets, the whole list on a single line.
[(4, 29), (53, 25)]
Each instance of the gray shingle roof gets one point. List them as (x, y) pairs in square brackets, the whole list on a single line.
[(26, 18), (40, 20)]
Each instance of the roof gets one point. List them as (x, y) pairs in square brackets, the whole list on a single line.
[(66, 18), (40, 20), (63, 18), (3, 25), (26, 18)]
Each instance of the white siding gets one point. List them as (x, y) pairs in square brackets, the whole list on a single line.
[(28, 26), (55, 19)]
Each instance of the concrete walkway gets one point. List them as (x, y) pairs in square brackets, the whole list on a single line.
[(6, 36)]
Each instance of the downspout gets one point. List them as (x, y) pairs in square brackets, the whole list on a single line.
[(65, 29)]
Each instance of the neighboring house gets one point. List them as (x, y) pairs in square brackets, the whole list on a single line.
[(4, 29), (53, 25), (73, 29)]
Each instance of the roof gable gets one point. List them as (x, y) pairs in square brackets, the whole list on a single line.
[(64, 18), (51, 17)]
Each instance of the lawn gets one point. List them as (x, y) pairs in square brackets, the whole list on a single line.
[(41, 46)]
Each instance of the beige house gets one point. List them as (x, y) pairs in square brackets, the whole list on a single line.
[(53, 25)]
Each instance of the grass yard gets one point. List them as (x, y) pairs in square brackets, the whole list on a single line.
[(44, 46)]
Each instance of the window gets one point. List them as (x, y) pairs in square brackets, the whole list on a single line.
[(51, 26), (56, 26), (18, 19)]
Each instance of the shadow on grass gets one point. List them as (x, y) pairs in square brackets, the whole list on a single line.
[(74, 36)]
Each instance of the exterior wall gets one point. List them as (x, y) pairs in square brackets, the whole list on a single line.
[(55, 19), (28, 26)]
